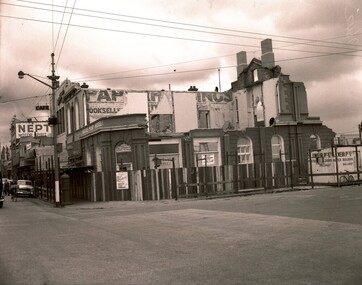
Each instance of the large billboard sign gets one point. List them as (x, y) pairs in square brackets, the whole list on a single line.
[(33, 129), (104, 103), (110, 102), (325, 162)]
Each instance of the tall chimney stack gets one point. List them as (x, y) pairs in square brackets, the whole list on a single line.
[(241, 62), (267, 55)]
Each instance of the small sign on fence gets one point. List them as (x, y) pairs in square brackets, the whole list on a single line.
[(122, 180)]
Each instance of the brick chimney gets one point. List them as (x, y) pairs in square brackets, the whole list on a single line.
[(267, 55), (241, 62)]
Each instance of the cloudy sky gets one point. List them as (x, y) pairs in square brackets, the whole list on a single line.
[(162, 44)]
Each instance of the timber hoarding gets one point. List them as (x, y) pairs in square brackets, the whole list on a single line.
[(336, 164)]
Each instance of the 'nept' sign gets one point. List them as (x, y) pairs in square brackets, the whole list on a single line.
[(35, 129)]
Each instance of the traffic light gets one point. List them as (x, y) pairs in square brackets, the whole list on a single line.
[(157, 162)]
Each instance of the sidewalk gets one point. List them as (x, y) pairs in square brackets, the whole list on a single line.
[(84, 204)]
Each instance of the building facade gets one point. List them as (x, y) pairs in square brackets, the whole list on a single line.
[(263, 117)]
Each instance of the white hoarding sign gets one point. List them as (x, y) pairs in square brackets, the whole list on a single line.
[(122, 180)]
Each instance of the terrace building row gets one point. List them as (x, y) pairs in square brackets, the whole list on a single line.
[(263, 117)]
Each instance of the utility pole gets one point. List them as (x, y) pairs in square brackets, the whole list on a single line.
[(219, 80), (53, 122)]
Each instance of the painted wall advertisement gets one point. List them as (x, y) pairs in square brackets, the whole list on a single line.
[(104, 103), (33, 129), (111, 102), (165, 110), (218, 109), (328, 161)]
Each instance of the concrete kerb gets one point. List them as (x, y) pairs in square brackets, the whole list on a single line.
[(81, 204), (259, 191)]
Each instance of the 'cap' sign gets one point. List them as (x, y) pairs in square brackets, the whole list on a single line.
[(35, 129)]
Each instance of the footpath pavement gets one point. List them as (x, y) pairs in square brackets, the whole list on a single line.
[(78, 203)]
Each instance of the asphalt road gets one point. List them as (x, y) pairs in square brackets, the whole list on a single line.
[(304, 237)]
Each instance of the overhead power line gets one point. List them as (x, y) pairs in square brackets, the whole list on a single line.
[(309, 41), (151, 67), (66, 32), (169, 37), (60, 27), (129, 32), (162, 74), (22, 99), (206, 69), (320, 54)]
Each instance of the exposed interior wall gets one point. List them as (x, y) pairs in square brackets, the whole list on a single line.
[(270, 100), (215, 110), (185, 110)]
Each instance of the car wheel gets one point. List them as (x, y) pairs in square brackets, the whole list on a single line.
[(1, 204)]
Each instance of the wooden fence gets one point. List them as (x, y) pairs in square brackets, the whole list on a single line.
[(164, 184), (207, 181)]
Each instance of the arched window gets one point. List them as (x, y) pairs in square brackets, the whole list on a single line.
[(245, 151), (314, 142), (255, 75), (277, 146), (123, 156), (85, 114), (259, 110), (69, 119), (76, 115)]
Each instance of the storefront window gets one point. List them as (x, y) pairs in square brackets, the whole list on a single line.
[(165, 150), (206, 152)]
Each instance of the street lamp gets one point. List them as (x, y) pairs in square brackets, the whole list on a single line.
[(52, 121)]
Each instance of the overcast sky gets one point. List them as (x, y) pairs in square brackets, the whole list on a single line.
[(158, 44)]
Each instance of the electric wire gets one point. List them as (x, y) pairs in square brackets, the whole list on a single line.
[(53, 47), (289, 59), (171, 37), (341, 53), (128, 32), (308, 42), (151, 67), (161, 74), (66, 32), (21, 99), (206, 69), (60, 27), (192, 25)]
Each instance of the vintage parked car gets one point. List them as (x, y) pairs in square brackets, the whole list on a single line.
[(23, 188), (2, 199)]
